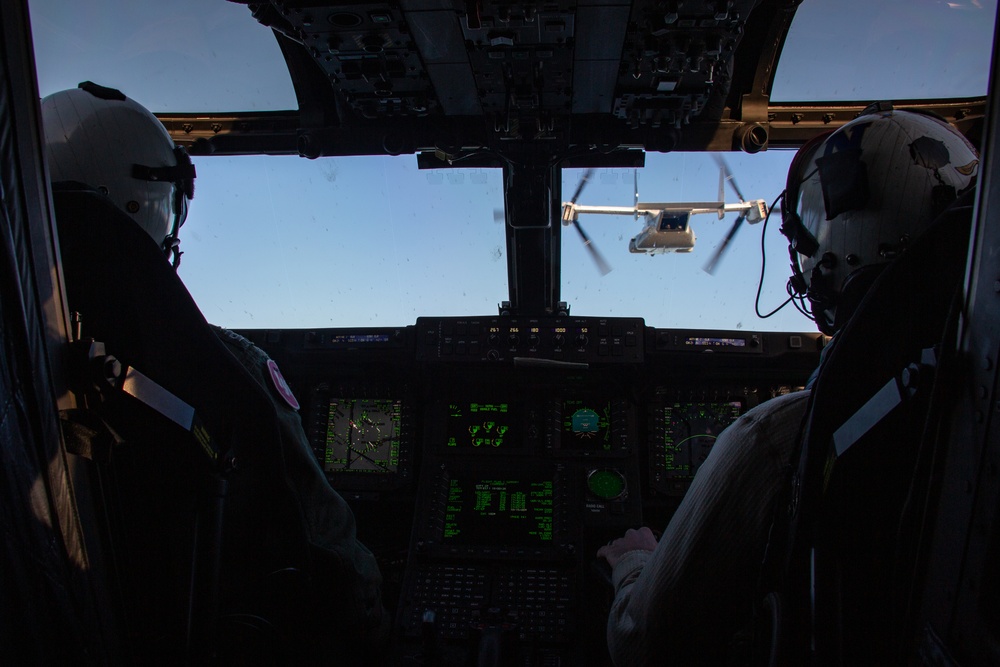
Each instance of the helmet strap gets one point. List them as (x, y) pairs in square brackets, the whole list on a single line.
[(182, 175), (942, 196), (856, 286), (797, 281), (172, 246), (823, 299)]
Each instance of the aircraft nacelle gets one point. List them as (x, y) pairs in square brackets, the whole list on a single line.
[(756, 211), (568, 214), (665, 232)]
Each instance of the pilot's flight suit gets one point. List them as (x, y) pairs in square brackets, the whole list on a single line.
[(99, 244), (328, 519), (690, 591), (681, 602)]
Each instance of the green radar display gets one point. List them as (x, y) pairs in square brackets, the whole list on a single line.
[(605, 484)]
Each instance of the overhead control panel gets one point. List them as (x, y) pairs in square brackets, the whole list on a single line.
[(676, 53), (525, 66)]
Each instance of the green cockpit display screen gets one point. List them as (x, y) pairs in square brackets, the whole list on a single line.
[(690, 430), (499, 511), (481, 425), (363, 436), (586, 424)]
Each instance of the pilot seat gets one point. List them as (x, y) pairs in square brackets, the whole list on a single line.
[(207, 547), (869, 468)]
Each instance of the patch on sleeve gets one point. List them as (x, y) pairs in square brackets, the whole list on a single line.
[(281, 385)]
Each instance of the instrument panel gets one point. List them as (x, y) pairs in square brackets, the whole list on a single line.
[(682, 436), (360, 441), (487, 458), (362, 435)]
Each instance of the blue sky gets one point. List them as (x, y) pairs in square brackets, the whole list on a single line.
[(288, 242), (382, 243)]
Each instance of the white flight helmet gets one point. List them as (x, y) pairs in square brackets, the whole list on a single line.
[(97, 136), (856, 197)]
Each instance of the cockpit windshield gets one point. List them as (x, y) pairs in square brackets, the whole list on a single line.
[(282, 241)]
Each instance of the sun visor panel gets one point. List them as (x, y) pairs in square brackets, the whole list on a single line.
[(460, 98), (592, 79), (600, 33), (437, 37)]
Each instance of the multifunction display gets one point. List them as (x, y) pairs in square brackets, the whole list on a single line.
[(586, 424), (362, 436), (499, 510), (684, 435), (489, 425)]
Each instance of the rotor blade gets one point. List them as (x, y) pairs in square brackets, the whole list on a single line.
[(710, 265), (583, 181), (635, 191), (722, 191), (729, 175), (602, 264)]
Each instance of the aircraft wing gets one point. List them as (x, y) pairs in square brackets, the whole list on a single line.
[(683, 206)]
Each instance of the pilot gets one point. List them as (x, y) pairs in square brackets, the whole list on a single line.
[(98, 139), (852, 199)]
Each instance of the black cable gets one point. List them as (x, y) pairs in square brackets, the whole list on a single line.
[(800, 302), (763, 263)]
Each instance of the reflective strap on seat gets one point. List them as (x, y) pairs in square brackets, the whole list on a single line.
[(885, 400), (149, 392), (170, 406)]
